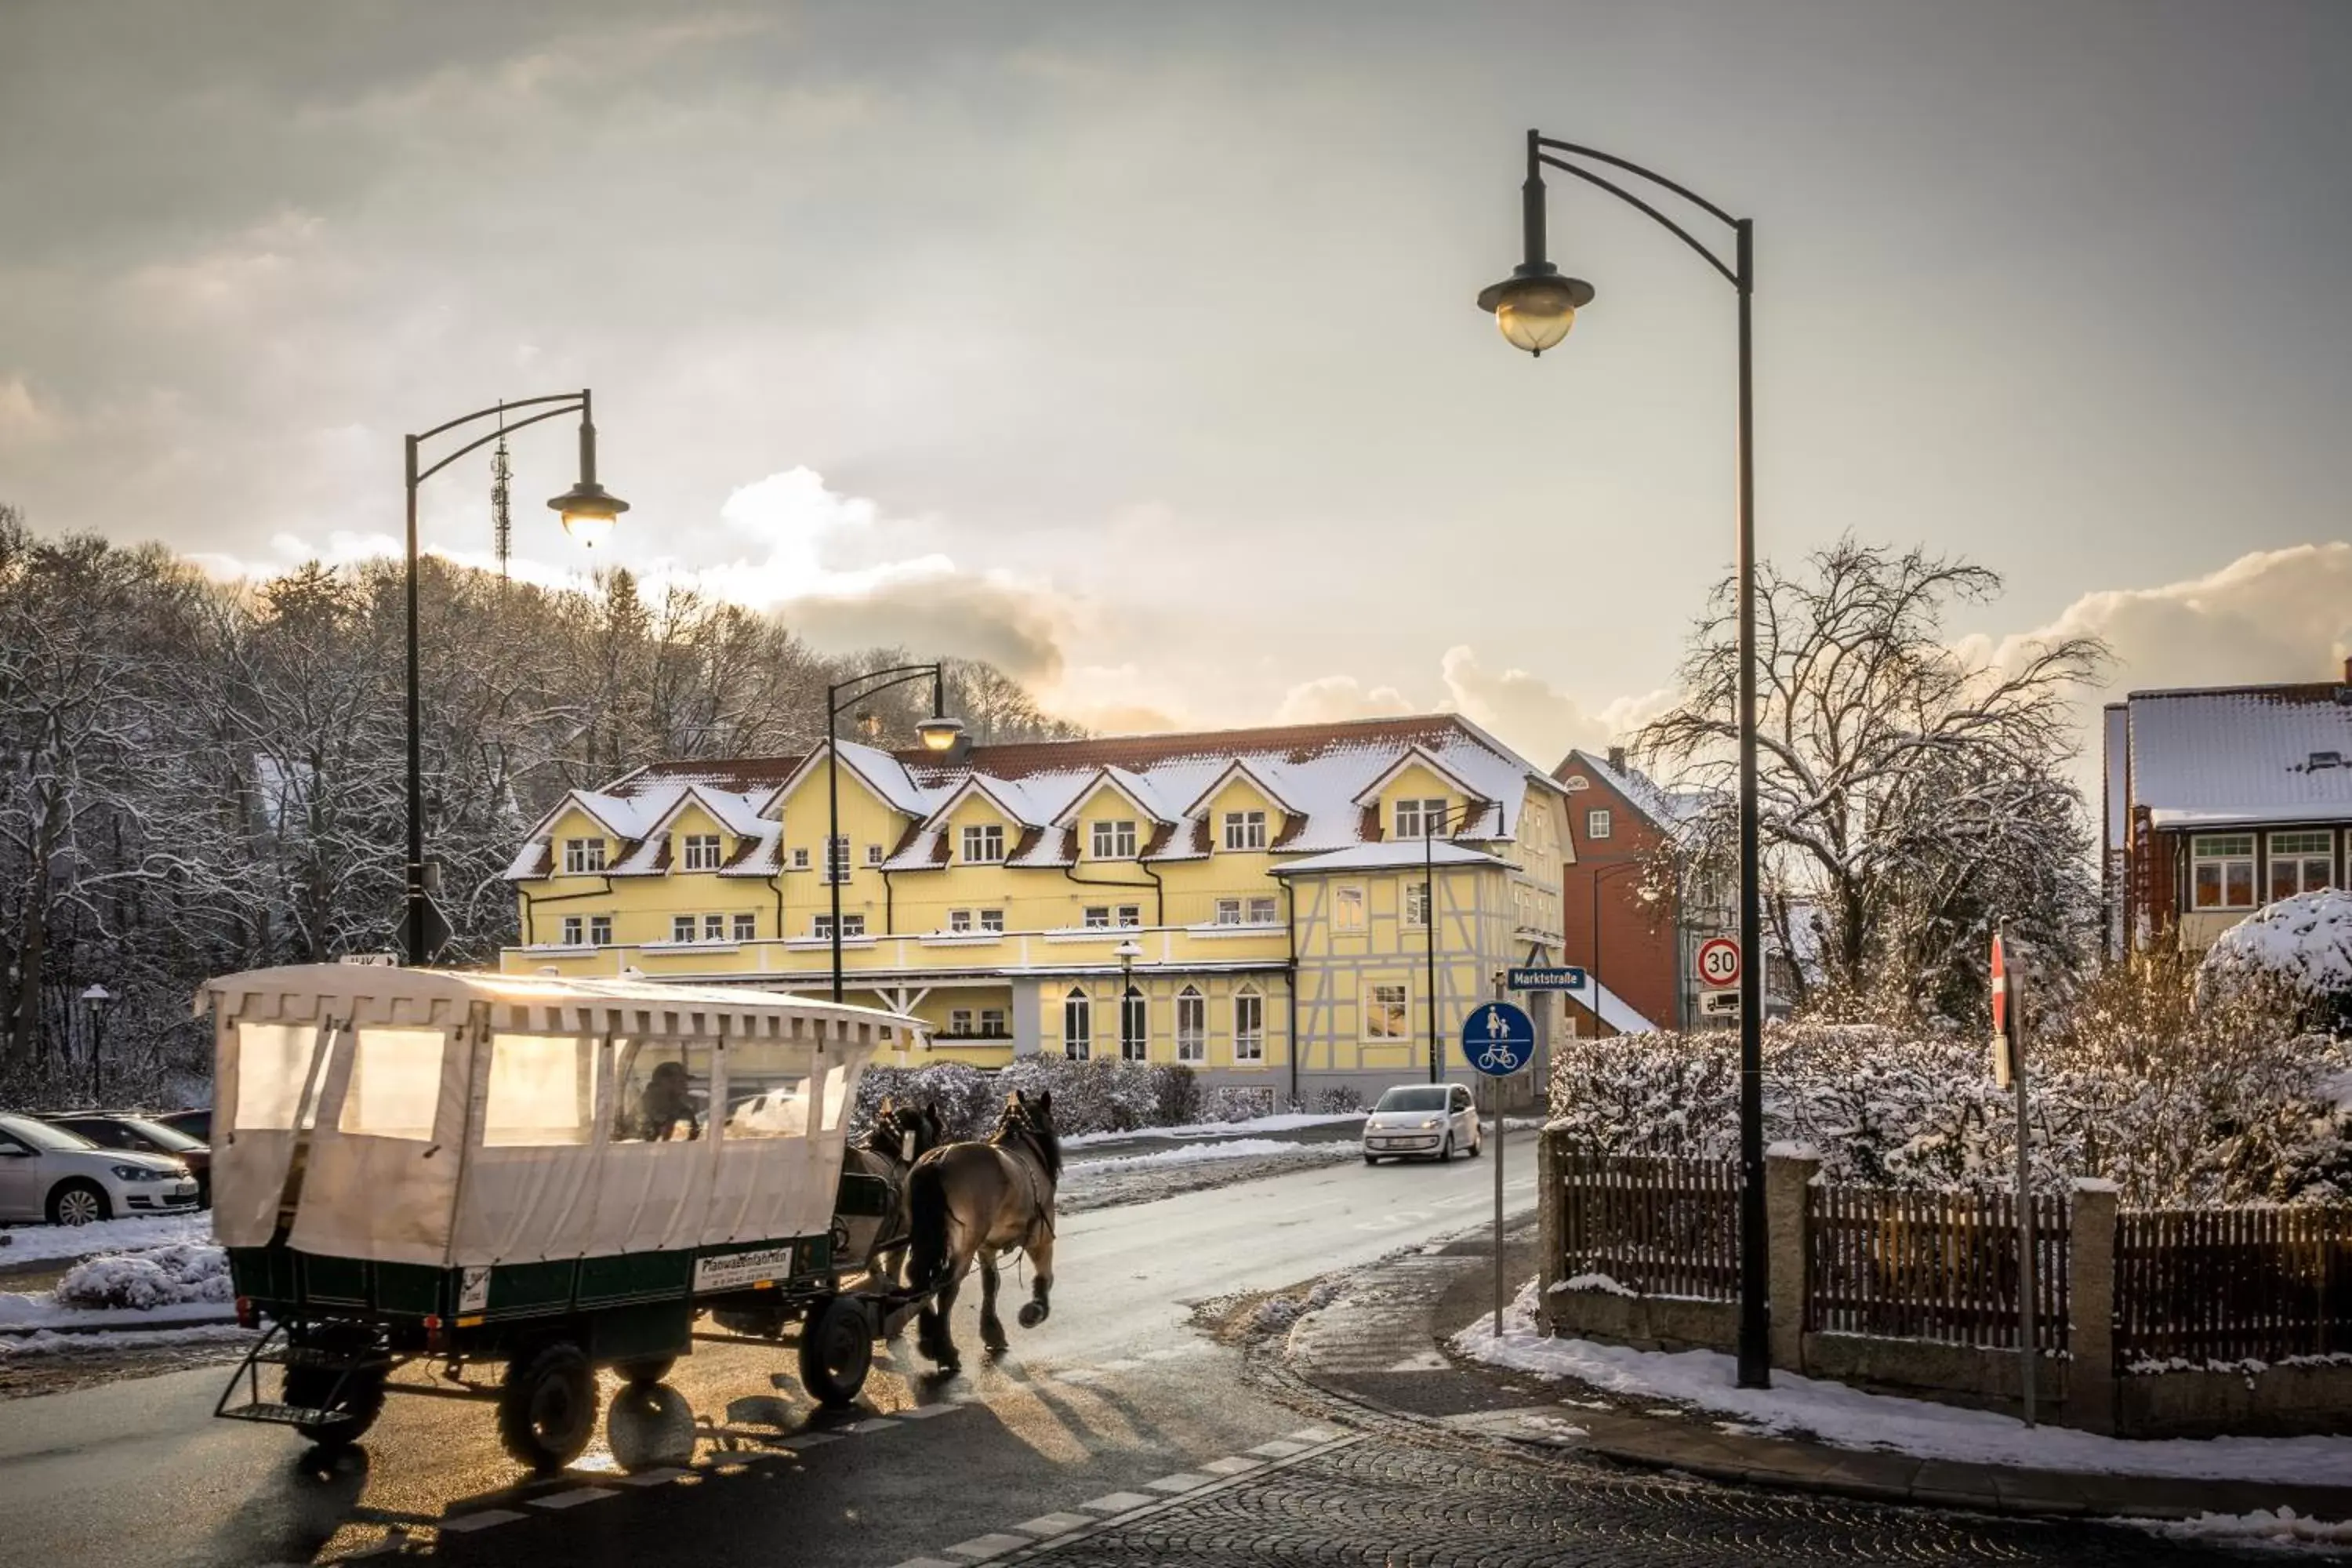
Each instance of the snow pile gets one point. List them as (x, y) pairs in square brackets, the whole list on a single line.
[(2174, 1109), (1197, 1153), (1848, 1419), (2302, 946), (1289, 1121), (142, 1281), (46, 1342), (1277, 1314), (2261, 1528), (1600, 1282), (36, 1243)]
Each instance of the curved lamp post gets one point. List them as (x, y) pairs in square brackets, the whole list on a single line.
[(589, 511), (938, 733), (97, 999), (1535, 306)]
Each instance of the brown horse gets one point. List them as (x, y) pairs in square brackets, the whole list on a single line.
[(983, 1199), (901, 1135)]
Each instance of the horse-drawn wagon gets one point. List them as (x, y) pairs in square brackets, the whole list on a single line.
[(543, 1176)]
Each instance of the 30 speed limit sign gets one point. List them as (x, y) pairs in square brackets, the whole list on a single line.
[(1719, 960)]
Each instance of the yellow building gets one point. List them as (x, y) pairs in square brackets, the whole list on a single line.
[(1251, 902)]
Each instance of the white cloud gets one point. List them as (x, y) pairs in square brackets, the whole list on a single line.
[(1331, 697), (1523, 709), (24, 419)]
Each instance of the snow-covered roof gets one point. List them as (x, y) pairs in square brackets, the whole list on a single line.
[(1318, 774), (1669, 810), (1389, 854), (2241, 755)]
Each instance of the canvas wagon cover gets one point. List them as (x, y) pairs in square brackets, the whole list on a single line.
[(410, 1096)]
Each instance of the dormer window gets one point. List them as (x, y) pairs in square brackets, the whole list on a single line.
[(1245, 830), (984, 846), (1419, 818), (1114, 840), (583, 856), (700, 851)]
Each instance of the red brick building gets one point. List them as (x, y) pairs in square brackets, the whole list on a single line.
[(2219, 800), (1634, 937)]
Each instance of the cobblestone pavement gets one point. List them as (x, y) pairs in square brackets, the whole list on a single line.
[(1389, 1499)]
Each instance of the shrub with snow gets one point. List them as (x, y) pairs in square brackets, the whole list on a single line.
[(2297, 950), (1237, 1102), (1340, 1099), (168, 1276)]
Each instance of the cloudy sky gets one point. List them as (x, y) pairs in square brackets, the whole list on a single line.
[(1132, 345)]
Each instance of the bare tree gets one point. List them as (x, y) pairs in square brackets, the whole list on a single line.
[(1909, 797)]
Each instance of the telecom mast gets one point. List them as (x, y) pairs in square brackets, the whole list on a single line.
[(501, 526)]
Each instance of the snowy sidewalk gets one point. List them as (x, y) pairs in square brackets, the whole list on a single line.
[(1584, 1398)]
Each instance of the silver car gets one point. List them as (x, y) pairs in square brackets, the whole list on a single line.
[(48, 1174), (1423, 1120)]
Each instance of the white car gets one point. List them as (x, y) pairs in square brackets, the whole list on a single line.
[(1423, 1120), (48, 1174)]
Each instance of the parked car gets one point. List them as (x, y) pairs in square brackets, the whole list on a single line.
[(1423, 1120), (196, 1124), (48, 1174), (144, 1135)]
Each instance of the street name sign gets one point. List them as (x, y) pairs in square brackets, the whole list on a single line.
[(1718, 961), (1548, 977), (1498, 1039)]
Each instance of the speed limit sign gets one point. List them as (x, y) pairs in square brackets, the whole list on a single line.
[(1719, 960)]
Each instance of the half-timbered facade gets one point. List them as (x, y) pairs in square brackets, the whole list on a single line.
[(1273, 881)]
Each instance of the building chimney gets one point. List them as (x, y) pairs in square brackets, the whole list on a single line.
[(1617, 753)]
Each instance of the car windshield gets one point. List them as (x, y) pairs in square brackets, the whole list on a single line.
[(41, 1135), (163, 1136), (1433, 1098)]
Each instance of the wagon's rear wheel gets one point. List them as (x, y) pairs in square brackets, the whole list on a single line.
[(837, 1350), (547, 1407), (355, 1396)]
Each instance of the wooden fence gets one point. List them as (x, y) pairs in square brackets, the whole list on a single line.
[(1660, 1227), (2233, 1284), (1931, 1266)]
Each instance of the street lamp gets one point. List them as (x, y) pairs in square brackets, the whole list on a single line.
[(938, 735), (588, 513), (1127, 952), (1535, 306), (97, 999)]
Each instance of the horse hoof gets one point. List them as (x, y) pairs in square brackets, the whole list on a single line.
[(1033, 1314)]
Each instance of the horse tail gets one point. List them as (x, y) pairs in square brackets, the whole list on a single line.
[(927, 1226)]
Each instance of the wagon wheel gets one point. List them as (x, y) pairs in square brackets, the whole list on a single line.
[(355, 1396), (547, 1407), (837, 1350)]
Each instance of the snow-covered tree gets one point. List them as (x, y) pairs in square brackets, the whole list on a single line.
[(1909, 797)]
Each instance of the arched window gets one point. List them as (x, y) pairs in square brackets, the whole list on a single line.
[(1077, 1025), (1192, 1024), (1134, 1026), (1249, 1025)]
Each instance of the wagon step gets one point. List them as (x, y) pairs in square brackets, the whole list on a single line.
[(321, 1360), (284, 1415)]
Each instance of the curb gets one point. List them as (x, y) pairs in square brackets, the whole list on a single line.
[(1790, 1465), (26, 1330)]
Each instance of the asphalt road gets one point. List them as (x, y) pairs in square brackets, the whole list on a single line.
[(1116, 1391)]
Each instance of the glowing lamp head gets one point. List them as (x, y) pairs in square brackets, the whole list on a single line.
[(590, 512), (1535, 305), (939, 733)]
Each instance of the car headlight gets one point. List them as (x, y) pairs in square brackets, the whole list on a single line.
[(1429, 1121), (138, 1172)]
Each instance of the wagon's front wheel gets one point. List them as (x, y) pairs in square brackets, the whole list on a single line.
[(547, 1407), (837, 1350)]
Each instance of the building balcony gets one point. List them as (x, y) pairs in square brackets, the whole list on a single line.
[(943, 955)]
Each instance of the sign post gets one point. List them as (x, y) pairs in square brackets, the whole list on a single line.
[(2009, 1070), (1498, 1039)]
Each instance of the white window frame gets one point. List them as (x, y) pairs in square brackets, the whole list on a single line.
[(1245, 830), (991, 921), (800, 859), (1600, 822), (983, 844), (2303, 849), (959, 1023), (2223, 851), (1095, 917), (837, 858), (1113, 838), (1265, 910), (682, 927), (874, 854), (1128, 917), (583, 856), (992, 1025), (714, 928), (1249, 1025), (1350, 912), (1134, 1025), (1422, 816), (1229, 912), (575, 930), (600, 931), (1413, 907), (1380, 997), (700, 851), (852, 926), (1077, 1024), (747, 928), (1192, 1024), (959, 921)]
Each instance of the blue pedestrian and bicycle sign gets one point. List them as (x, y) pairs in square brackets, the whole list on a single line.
[(1498, 1039)]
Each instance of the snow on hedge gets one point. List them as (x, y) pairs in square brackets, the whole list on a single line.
[(2235, 1117), (166, 1277), (2302, 945)]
